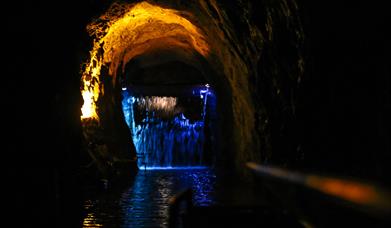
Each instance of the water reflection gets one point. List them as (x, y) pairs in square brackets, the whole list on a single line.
[(90, 221), (145, 203)]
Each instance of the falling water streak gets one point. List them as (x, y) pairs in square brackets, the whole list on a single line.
[(165, 143)]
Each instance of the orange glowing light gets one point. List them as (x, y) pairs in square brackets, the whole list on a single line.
[(359, 193), (123, 31), (349, 190)]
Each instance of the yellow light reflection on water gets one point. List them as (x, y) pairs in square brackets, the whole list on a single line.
[(90, 221)]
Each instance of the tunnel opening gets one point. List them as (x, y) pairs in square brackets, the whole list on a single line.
[(145, 54), (170, 108), (171, 112), (155, 53)]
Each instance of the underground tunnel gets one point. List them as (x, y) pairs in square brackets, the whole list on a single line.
[(167, 74), (198, 113)]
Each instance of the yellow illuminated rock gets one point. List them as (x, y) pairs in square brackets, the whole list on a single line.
[(129, 30)]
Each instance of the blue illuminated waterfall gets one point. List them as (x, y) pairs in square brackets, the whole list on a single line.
[(163, 136)]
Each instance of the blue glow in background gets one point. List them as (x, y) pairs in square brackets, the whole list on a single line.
[(167, 142)]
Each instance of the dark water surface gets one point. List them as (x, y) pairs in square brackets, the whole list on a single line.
[(144, 203)]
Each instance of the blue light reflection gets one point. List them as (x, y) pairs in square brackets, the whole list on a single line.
[(176, 168), (145, 204)]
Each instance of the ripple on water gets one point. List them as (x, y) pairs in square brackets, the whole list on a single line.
[(145, 203)]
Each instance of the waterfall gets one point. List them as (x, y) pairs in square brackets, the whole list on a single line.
[(162, 134)]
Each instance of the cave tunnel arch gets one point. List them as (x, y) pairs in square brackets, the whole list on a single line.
[(182, 41)]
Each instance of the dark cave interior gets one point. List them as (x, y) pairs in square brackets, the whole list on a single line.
[(300, 85)]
